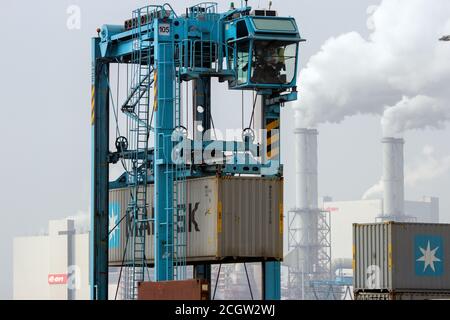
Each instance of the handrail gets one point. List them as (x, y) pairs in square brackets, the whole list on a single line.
[(191, 45), (208, 7), (171, 9)]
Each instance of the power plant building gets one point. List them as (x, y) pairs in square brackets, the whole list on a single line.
[(54, 266)]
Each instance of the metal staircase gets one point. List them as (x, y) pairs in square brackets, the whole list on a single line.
[(137, 106)]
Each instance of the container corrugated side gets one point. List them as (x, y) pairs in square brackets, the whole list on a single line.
[(252, 217), (402, 257), (228, 218), (372, 260)]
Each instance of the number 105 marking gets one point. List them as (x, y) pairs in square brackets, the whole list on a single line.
[(164, 29)]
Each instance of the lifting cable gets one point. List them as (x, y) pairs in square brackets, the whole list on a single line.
[(128, 71), (333, 293), (110, 231), (248, 280), (217, 281), (349, 293), (214, 127), (253, 110), (117, 104), (252, 118), (147, 267), (127, 118), (210, 113), (242, 109), (187, 107), (315, 293), (113, 106), (121, 266), (118, 88)]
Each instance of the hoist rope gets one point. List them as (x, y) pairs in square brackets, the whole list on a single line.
[(248, 280), (217, 281)]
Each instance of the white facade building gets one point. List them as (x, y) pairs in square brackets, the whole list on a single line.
[(54, 266)]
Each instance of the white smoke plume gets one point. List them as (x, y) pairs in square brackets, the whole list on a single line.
[(420, 112), (427, 168), (402, 56), (374, 192)]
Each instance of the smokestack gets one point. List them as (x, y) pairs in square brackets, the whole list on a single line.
[(306, 219), (306, 169), (393, 179)]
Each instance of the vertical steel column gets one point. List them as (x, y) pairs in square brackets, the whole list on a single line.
[(201, 95), (99, 175), (271, 122), (163, 170), (271, 272)]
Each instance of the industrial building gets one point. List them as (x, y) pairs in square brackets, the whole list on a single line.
[(391, 206), (60, 270), (320, 230), (54, 266)]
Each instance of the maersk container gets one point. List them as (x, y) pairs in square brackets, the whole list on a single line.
[(401, 257), (228, 219)]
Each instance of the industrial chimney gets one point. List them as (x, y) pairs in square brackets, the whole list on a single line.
[(393, 180), (307, 198), (306, 169), (304, 217), (308, 243)]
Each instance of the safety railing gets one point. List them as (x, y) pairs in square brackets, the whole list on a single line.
[(203, 8), (203, 56), (145, 15)]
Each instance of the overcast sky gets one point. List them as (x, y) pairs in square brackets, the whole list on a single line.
[(45, 76)]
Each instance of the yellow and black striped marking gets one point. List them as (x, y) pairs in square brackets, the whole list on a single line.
[(273, 138), (155, 91), (92, 105)]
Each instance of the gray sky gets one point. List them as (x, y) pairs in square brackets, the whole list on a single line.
[(45, 97)]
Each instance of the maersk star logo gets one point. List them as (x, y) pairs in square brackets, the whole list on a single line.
[(428, 253), (114, 216)]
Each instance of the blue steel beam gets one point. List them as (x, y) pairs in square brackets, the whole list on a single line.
[(163, 165), (271, 122), (272, 280), (99, 175)]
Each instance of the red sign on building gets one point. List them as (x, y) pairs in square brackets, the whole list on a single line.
[(54, 279)]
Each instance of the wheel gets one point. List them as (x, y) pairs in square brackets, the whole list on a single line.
[(248, 135), (121, 144)]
